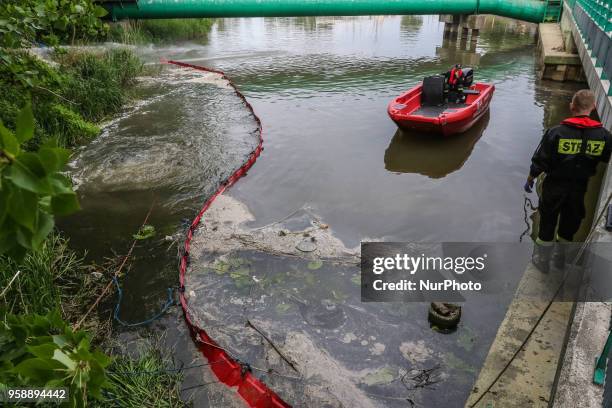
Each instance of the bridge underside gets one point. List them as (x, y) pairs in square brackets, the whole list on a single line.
[(527, 10)]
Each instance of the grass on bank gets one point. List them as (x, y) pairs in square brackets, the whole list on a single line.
[(160, 31), (56, 279), (150, 383), (70, 97)]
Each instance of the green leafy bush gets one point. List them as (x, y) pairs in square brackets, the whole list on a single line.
[(32, 190), (86, 84), (86, 87), (23, 22), (43, 351)]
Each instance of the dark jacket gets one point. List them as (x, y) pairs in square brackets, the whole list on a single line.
[(571, 151)]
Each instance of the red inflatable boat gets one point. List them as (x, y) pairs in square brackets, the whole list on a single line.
[(409, 113)]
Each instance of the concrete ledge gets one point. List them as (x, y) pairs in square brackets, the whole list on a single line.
[(528, 381), (556, 63)]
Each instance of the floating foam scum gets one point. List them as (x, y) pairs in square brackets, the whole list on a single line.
[(285, 298), (307, 303), (225, 231), (180, 76)]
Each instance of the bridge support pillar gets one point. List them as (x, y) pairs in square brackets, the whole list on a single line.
[(474, 38), (468, 25), (451, 29)]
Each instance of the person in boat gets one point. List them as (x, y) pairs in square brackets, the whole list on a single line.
[(568, 156), (454, 79)]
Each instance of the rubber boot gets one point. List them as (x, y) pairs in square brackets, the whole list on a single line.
[(571, 252), (559, 255), (542, 253)]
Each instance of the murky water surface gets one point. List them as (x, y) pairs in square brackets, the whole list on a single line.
[(320, 87)]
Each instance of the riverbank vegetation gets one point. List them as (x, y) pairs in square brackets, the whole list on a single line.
[(71, 96), (54, 278), (151, 385), (48, 107), (160, 31)]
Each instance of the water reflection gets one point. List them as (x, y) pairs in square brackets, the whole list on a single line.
[(410, 26), (505, 33), (450, 51), (431, 155)]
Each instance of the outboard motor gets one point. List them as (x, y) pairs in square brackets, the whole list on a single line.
[(468, 77)]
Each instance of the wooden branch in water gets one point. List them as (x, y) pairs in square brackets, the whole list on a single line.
[(271, 343)]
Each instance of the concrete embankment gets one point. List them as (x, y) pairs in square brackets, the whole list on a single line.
[(555, 367), (558, 59), (588, 332), (591, 320)]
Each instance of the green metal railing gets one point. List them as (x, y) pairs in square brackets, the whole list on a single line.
[(601, 363), (592, 18), (599, 10)]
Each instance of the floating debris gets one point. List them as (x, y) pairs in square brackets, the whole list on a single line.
[(444, 315)]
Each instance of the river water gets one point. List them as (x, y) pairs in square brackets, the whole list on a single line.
[(320, 87)]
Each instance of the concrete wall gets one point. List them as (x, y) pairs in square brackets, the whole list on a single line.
[(566, 29), (589, 329), (599, 86)]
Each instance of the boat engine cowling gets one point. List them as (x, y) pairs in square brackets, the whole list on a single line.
[(468, 77)]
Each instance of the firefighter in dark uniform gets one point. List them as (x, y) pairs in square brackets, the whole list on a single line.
[(454, 79), (568, 155)]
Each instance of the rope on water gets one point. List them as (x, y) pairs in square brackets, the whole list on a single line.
[(169, 303), (117, 272)]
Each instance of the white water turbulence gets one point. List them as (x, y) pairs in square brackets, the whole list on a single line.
[(188, 131)]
